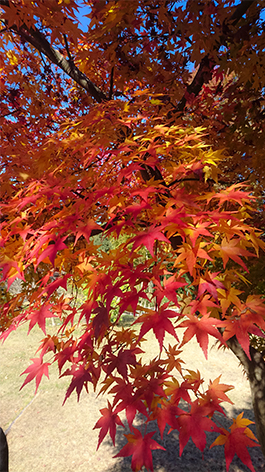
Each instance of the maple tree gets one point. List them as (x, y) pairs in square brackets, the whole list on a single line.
[(106, 130)]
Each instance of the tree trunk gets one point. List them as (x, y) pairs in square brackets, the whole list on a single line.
[(255, 370), (3, 452)]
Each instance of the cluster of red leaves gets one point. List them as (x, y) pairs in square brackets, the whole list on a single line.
[(49, 230), (174, 242)]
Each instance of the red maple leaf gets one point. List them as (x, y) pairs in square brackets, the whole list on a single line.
[(194, 424), (201, 327), (111, 292), (101, 320), (147, 239), (244, 320), (107, 423), (130, 300), (47, 345), (171, 285), (193, 380), (159, 322), (39, 316), (236, 441), (172, 360), (190, 254), (210, 283), (130, 400), (87, 309), (176, 391), (151, 387), (216, 389), (81, 376), (66, 354), (36, 370), (51, 251), (216, 395), (140, 448), (61, 282), (135, 209), (165, 414), (24, 201), (233, 192), (125, 357), (255, 304), (144, 192), (85, 230), (10, 271), (201, 306)]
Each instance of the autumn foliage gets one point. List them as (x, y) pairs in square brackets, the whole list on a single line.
[(81, 166)]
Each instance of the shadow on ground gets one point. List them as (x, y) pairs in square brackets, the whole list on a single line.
[(192, 460)]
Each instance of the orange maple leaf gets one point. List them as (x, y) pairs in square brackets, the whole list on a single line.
[(232, 250)]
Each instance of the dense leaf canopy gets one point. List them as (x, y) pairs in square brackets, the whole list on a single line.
[(132, 180)]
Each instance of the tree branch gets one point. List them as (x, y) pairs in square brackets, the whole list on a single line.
[(38, 40), (240, 11), (236, 348)]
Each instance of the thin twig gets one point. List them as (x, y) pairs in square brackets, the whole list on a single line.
[(10, 113), (111, 83), (68, 50)]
